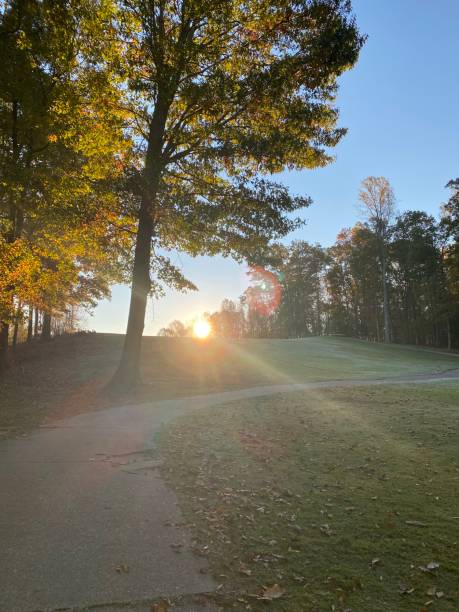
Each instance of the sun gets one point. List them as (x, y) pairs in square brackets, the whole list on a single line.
[(201, 329)]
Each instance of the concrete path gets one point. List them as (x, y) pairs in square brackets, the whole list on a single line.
[(86, 521)]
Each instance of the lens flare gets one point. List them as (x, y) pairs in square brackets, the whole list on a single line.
[(201, 329), (265, 291)]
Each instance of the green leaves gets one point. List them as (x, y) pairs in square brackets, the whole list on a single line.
[(241, 88)]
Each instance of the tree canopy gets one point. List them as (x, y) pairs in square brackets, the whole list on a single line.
[(133, 127), (219, 93)]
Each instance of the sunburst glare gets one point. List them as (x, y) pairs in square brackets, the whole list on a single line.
[(201, 329)]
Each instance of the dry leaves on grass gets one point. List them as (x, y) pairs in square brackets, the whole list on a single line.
[(326, 530), (272, 592), (430, 567), (160, 606), (374, 562), (434, 592)]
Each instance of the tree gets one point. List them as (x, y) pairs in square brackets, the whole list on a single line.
[(450, 211), (449, 228), (61, 142), (302, 276), (418, 284), (353, 290), (222, 91), (176, 329), (378, 204), (228, 322)]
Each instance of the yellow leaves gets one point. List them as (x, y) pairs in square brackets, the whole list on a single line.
[(18, 270), (52, 138)]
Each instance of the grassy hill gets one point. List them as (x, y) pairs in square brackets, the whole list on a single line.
[(68, 375)]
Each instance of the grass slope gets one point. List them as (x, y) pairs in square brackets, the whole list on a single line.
[(69, 374), (339, 499)]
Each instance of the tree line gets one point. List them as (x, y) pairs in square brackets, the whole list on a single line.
[(392, 278)]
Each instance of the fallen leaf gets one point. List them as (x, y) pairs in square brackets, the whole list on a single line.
[(430, 567), (326, 530), (161, 606), (270, 593), (405, 590), (433, 565), (299, 578)]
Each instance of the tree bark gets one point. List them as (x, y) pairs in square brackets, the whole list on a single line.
[(15, 333), (386, 305), (128, 373), (30, 324), (128, 370), (4, 336), (16, 325), (46, 329), (35, 324), (10, 237), (449, 335)]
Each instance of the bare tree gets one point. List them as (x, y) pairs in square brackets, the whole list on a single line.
[(378, 206)]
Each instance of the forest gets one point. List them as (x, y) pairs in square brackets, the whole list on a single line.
[(307, 289)]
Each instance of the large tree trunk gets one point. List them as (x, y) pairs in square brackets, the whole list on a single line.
[(128, 373), (128, 370)]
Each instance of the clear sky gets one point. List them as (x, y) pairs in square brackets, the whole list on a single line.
[(401, 106)]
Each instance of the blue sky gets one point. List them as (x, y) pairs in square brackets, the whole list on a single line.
[(400, 104)]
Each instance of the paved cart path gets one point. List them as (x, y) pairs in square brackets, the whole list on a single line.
[(86, 520)]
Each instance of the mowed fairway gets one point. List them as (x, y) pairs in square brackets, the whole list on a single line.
[(69, 375), (331, 499)]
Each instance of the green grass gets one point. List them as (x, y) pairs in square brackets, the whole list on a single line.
[(327, 358), (69, 374), (301, 490), (338, 496)]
